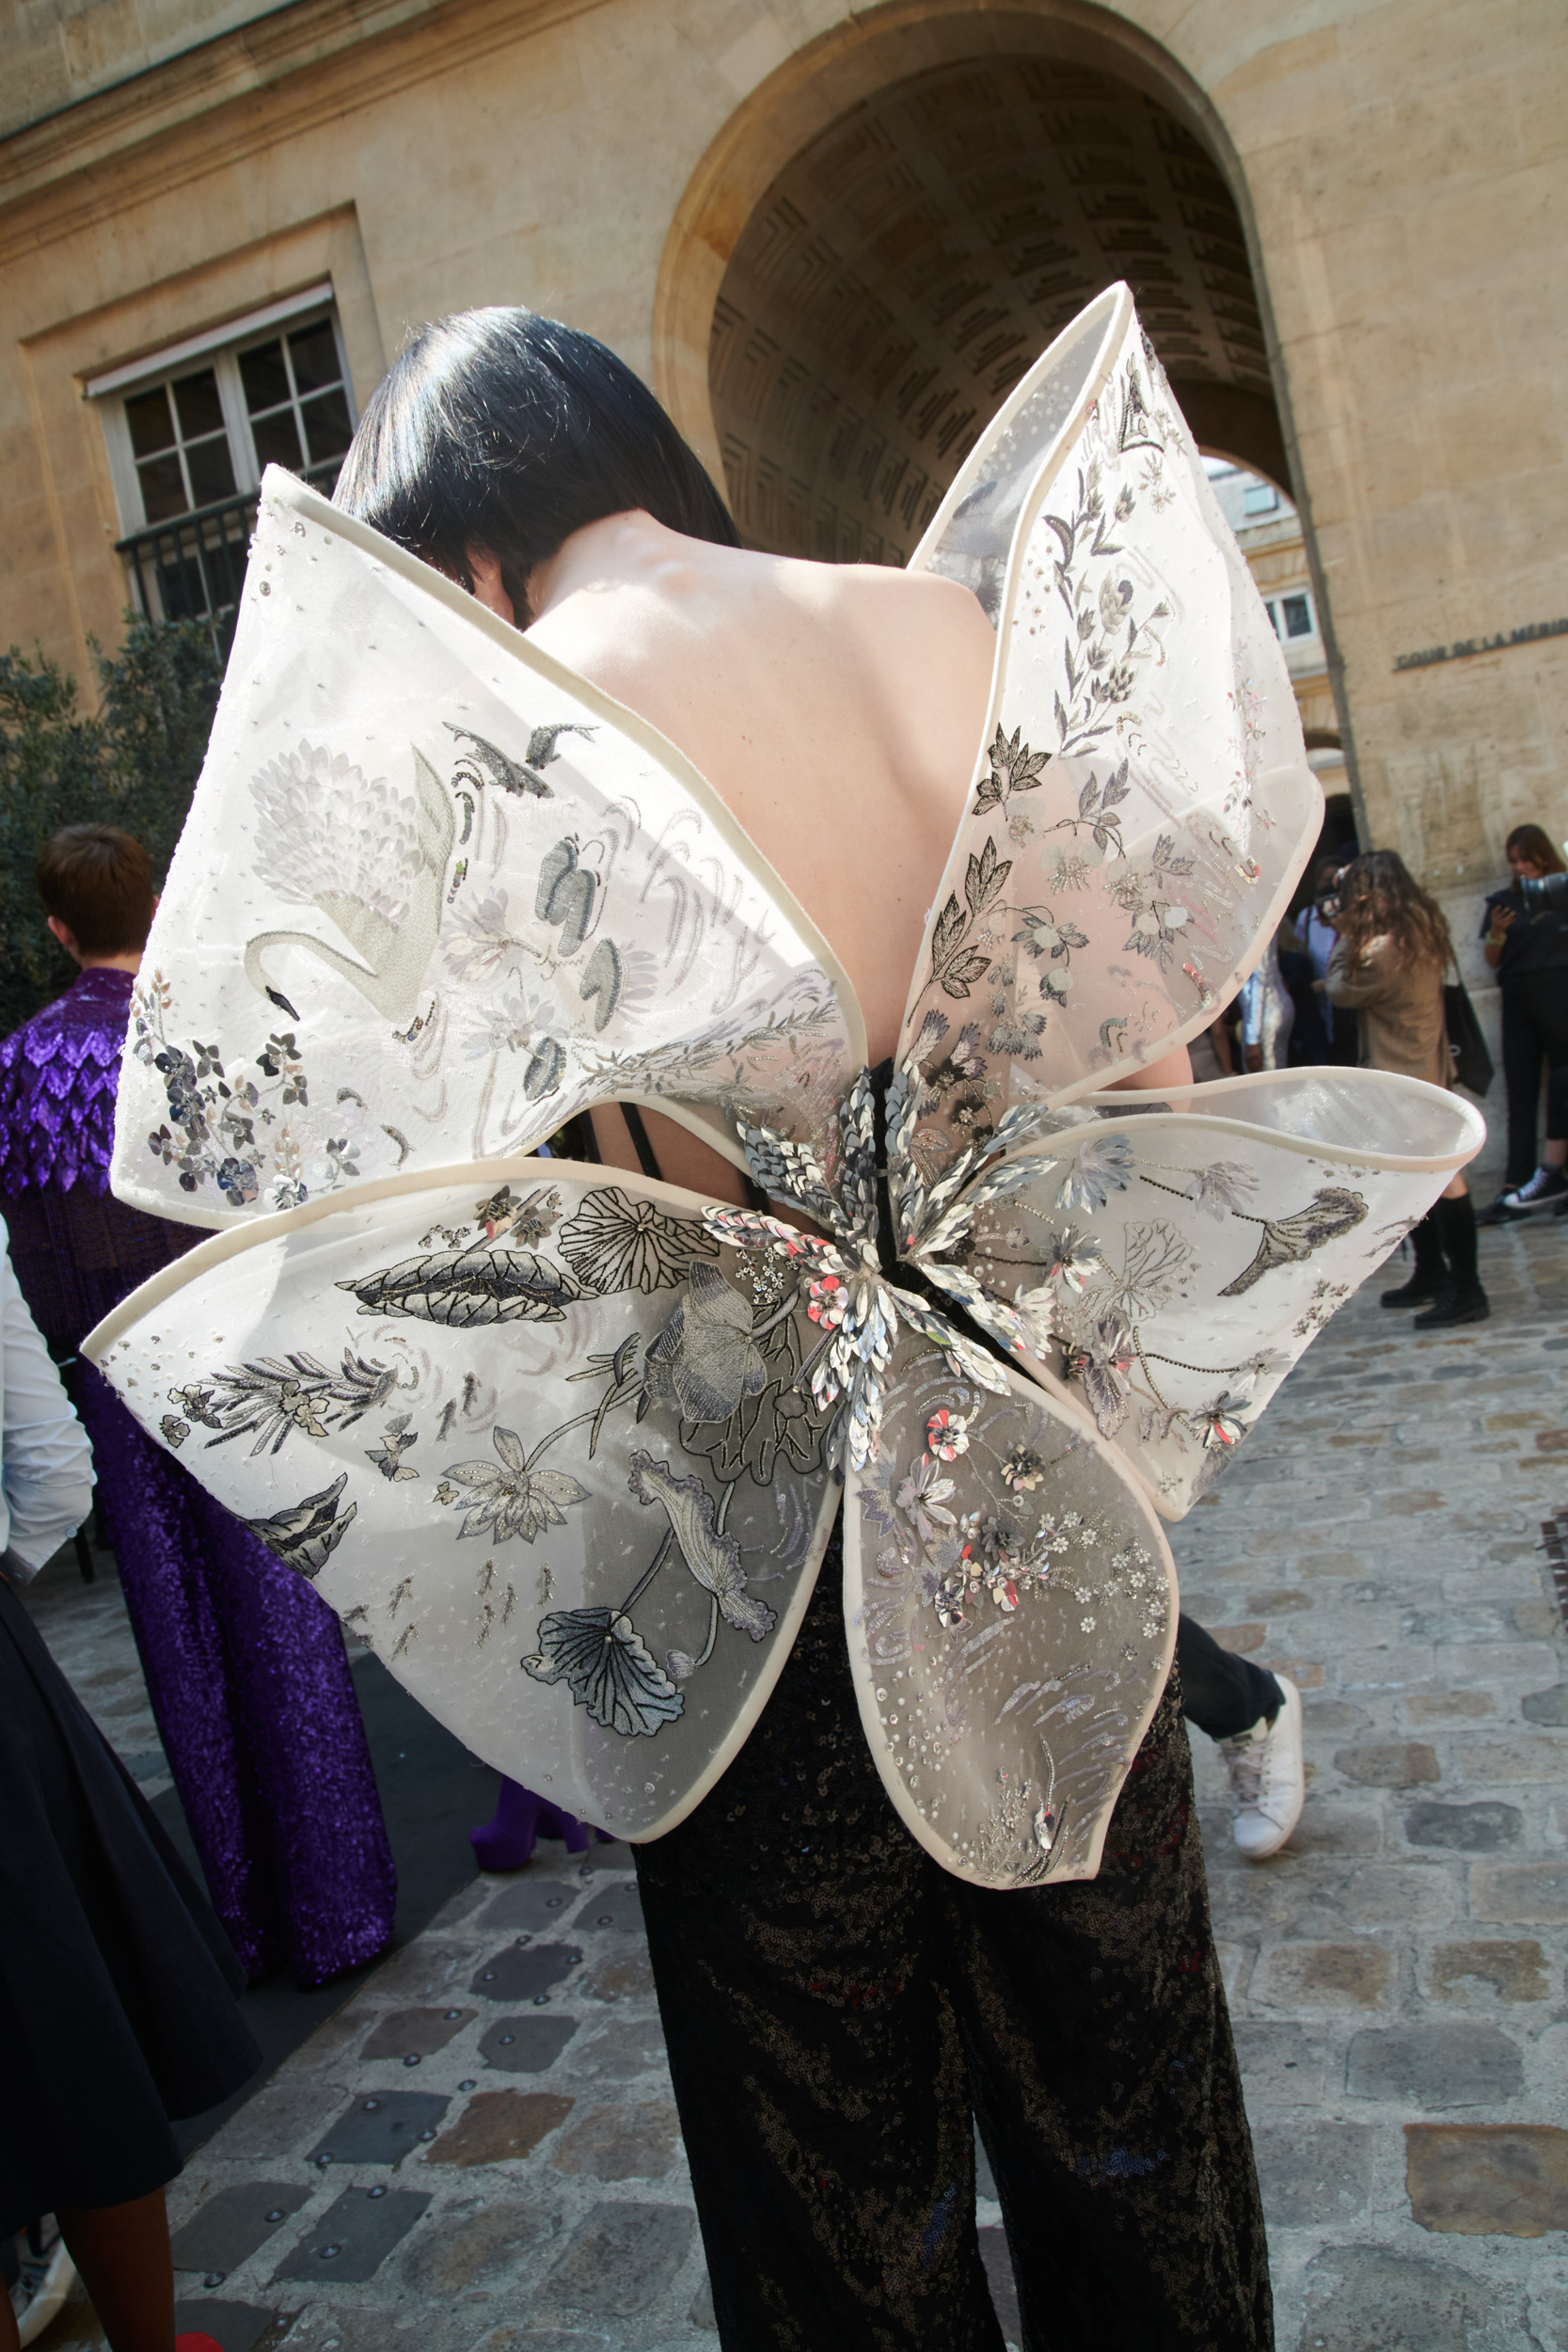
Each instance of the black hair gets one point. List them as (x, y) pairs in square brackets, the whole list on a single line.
[(506, 432)]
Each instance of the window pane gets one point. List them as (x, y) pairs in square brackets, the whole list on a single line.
[(277, 440), (314, 353), (1298, 616), (326, 426), (264, 378), (1274, 618), (151, 426), (1261, 498), (163, 488), (211, 469), (200, 409)]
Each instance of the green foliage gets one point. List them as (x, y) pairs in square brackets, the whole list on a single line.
[(133, 764)]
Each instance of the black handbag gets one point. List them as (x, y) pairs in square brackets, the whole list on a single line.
[(1472, 1063)]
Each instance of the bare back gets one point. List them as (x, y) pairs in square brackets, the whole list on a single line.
[(836, 708)]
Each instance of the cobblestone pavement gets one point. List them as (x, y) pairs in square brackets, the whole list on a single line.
[(505, 2169)]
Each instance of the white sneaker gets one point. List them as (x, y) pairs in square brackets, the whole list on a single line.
[(1268, 1778)]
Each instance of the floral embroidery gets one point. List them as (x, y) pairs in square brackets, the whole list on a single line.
[(601, 1658), (510, 1497), (305, 1536), (616, 1243)]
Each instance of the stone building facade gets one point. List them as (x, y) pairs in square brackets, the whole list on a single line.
[(831, 239)]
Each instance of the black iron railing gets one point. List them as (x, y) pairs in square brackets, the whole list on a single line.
[(193, 568)]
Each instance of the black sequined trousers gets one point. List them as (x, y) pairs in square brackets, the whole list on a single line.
[(836, 2006)]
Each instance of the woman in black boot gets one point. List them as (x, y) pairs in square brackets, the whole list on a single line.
[(1429, 1279), (1388, 967)]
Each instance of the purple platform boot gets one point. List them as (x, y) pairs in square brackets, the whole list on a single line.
[(521, 1817)]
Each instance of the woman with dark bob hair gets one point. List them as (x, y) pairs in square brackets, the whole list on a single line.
[(837, 2008), (1388, 967), (1525, 943)]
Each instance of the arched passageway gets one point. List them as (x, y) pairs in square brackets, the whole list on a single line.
[(907, 264)]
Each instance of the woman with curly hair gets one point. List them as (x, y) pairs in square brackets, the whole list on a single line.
[(1388, 967)]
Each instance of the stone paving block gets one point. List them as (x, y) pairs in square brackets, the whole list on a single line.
[(416, 2032), (1334, 1715), (1447, 1707), (1389, 1666), (1313, 2174), (1513, 1760), (617, 1860), (985, 2179), (526, 2045), (1341, 1826), (501, 2126), (1464, 1828), (614, 1910), (1522, 1894), (1481, 2180), (1546, 1706), (234, 2327), (998, 2264), (226, 2230), (1325, 1976), (1513, 1971), (622, 2143), (1368, 2299), (480, 2248), (702, 2312), (524, 1970), (350, 2241), (629, 2047), (1435, 2066), (273, 2123), (544, 2340), (382, 2128), (1241, 1640), (342, 2328), (1278, 1601), (1305, 1673), (537, 1903), (621, 2259), (1233, 1959), (621, 1976), (427, 1970), (1401, 1764), (1330, 1563), (1282, 2064)]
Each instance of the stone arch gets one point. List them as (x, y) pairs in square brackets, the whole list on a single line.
[(896, 222)]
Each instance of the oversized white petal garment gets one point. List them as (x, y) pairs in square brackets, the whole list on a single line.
[(567, 1448)]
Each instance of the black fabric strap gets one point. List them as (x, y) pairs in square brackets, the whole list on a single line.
[(648, 1158)]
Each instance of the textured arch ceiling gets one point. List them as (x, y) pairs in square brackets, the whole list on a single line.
[(905, 269)]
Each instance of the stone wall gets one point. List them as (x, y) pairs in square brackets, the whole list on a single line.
[(1399, 171)]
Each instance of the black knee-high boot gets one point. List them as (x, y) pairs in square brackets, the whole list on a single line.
[(1431, 1276), (1465, 1301)]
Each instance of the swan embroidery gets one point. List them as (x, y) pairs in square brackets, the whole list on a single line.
[(372, 859)]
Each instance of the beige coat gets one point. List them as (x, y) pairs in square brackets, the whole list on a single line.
[(1399, 1008)]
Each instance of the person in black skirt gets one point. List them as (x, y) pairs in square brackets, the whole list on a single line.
[(117, 2015)]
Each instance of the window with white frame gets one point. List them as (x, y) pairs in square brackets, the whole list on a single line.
[(1293, 616), (189, 430)]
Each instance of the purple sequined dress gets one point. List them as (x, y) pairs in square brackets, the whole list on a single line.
[(249, 1683)]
